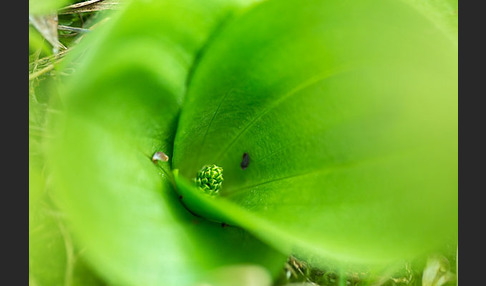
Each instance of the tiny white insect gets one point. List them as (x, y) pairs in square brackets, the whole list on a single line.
[(160, 156)]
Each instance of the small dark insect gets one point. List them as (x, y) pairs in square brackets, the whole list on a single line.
[(245, 161), (224, 225), (180, 197)]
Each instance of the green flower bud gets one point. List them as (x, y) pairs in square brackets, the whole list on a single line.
[(209, 179)]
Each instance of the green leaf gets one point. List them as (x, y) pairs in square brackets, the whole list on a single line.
[(348, 112), (120, 107)]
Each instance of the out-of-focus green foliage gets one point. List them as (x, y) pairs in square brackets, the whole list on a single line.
[(442, 13), (36, 42), (54, 257), (347, 109), (39, 7)]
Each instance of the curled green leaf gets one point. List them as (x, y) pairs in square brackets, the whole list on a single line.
[(349, 112)]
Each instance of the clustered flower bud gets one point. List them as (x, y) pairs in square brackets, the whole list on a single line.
[(209, 179)]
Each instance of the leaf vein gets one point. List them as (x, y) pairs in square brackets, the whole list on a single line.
[(312, 81)]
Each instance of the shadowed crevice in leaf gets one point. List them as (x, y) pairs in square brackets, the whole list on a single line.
[(207, 44)]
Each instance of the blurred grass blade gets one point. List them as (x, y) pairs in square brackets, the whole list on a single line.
[(47, 26), (89, 6)]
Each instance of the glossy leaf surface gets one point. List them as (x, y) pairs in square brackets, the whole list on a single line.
[(348, 111)]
